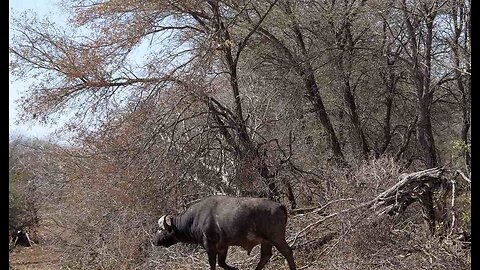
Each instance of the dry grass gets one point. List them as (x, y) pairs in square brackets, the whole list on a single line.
[(337, 235), (38, 257)]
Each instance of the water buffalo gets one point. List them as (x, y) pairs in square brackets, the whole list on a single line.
[(219, 222)]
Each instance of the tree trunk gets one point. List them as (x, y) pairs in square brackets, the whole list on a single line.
[(311, 88), (425, 135), (246, 148), (344, 64), (349, 100), (458, 14), (390, 81), (305, 67), (421, 57), (316, 100)]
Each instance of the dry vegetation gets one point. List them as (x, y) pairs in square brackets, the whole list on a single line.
[(333, 227), (321, 105)]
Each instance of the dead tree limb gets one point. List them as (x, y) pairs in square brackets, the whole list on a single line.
[(410, 188), (311, 210), (452, 227), (417, 186), (464, 177)]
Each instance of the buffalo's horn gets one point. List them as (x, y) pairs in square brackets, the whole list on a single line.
[(161, 223)]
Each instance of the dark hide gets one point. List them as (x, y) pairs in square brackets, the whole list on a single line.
[(220, 221)]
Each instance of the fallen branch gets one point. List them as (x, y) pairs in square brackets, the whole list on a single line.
[(395, 199), (464, 176), (408, 189), (310, 210), (327, 250), (311, 226), (452, 211), (318, 222)]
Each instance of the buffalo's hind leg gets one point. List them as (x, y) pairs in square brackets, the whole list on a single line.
[(222, 257), (282, 247), (212, 254), (265, 254), (212, 259)]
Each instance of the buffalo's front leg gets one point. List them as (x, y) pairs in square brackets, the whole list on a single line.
[(222, 257)]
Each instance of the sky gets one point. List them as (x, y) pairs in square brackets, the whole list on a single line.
[(50, 9), (42, 8)]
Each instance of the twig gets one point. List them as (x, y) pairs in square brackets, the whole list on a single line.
[(311, 210), (311, 225), (452, 207), (349, 229), (316, 223), (328, 250), (464, 176)]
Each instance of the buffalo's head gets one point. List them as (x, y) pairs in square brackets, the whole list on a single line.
[(166, 235)]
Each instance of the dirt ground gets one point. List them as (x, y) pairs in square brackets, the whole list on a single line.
[(36, 257)]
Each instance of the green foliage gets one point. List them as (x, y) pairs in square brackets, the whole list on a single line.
[(465, 214), (459, 153), (466, 218), (459, 147)]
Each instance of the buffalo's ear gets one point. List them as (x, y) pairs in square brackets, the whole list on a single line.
[(168, 221)]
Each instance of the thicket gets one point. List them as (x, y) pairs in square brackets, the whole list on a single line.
[(321, 105)]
